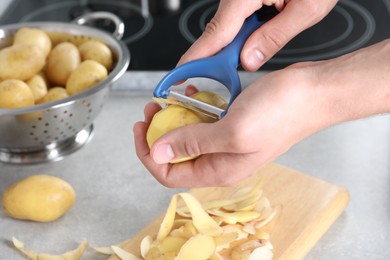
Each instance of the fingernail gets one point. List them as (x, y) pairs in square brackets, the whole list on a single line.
[(254, 59), (163, 153)]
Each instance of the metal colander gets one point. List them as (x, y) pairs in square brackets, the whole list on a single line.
[(48, 132)]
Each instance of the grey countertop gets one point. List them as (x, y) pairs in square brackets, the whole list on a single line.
[(117, 197)]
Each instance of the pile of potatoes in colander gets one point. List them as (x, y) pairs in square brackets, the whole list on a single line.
[(36, 70)]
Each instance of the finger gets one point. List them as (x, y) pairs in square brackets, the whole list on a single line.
[(190, 90), (140, 129), (143, 153), (278, 31), (150, 109), (211, 170), (208, 170), (194, 140), (141, 146), (221, 30)]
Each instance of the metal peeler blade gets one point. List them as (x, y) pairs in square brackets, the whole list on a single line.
[(197, 106), (176, 98)]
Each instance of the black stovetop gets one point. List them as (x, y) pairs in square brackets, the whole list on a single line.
[(156, 41)]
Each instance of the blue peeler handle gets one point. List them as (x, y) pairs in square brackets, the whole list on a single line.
[(221, 67)]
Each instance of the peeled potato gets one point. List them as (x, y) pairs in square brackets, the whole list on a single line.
[(35, 37), (97, 51), (86, 75), (62, 60), (54, 94), (21, 61), (15, 93), (39, 198), (38, 87)]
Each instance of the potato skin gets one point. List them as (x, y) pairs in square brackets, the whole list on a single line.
[(86, 75), (54, 94), (35, 37), (97, 51), (40, 197), (38, 87), (21, 61), (62, 60), (15, 94)]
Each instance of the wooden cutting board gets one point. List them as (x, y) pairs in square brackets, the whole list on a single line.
[(308, 206)]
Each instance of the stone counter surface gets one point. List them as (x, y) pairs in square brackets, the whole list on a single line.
[(117, 197)]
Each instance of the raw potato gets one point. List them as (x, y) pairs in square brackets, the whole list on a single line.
[(44, 59), (15, 93), (174, 116), (169, 118), (86, 75), (21, 61), (76, 39), (97, 51), (62, 60), (39, 198), (35, 37), (54, 94), (38, 87)]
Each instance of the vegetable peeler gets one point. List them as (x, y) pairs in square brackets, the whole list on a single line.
[(221, 67)]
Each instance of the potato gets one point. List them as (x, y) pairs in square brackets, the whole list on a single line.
[(86, 75), (62, 60), (15, 93), (54, 94), (39, 198), (76, 39), (35, 37), (21, 61), (174, 116), (97, 51), (38, 87), (169, 118)]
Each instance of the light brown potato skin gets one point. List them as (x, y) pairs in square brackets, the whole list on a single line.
[(21, 61), (86, 75), (62, 60), (59, 37), (15, 93), (38, 87), (54, 94), (35, 37), (97, 51), (40, 197)]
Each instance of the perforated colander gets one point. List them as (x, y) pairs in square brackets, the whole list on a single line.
[(48, 132)]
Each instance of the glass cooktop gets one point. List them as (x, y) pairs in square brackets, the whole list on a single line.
[(158, 32)]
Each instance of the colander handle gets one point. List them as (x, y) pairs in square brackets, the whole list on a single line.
[(88, 17)]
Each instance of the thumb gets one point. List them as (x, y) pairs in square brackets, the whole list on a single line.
[(189, 141)]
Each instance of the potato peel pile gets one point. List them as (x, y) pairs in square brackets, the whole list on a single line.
[(229, 229)]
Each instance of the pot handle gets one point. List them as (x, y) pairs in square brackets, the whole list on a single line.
[(119, 25)]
